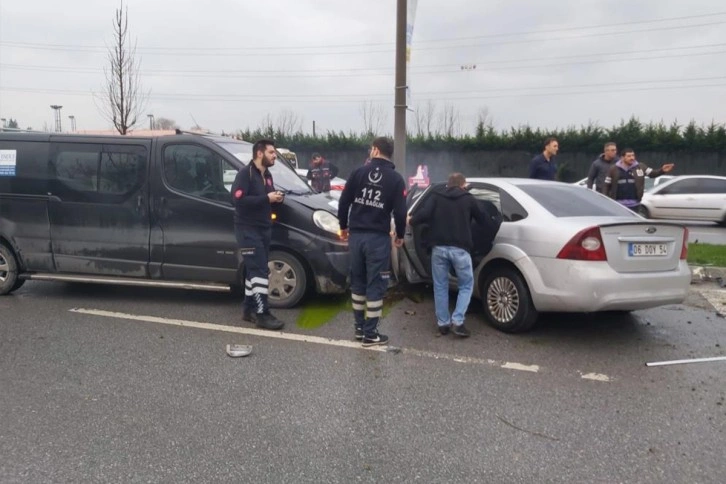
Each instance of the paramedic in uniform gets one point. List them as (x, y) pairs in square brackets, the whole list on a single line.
[(372, 192), (253, 194)]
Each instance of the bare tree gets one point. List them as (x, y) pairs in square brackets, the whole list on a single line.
[(374, 116), (423, 118), (267, 126), (123, 99), (484, 121), (165, 123), (288, 123), (449, 121), (484, 117)]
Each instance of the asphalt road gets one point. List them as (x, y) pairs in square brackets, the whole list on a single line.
[(706, 233), (90, 394)]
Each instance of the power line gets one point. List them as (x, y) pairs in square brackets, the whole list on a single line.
[(413, 68), (225, 52), (588, 27), (358, 97), (373, 44), (453, 69), (260, 99)]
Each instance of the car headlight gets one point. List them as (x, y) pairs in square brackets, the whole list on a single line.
[(326, 221)]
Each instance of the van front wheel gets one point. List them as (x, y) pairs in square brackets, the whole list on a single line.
[(8, 270), (288, 280)]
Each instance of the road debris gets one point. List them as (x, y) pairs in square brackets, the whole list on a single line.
[(236, 351)]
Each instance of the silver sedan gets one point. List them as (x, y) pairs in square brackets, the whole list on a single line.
[(560, 249)]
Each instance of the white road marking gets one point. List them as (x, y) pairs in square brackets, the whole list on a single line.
[(229, 329), (683, 362), (317, 340), (596, 377), (518, 366)]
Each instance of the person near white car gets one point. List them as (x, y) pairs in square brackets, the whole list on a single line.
[(320, 173), (625, 181), (450, 212), (600, 167)]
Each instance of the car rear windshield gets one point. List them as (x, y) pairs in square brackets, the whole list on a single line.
[(571, 201)]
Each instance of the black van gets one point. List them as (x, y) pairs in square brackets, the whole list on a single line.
[(153, 211)]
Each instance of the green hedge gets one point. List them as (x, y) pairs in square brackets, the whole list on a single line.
[(590, 138)]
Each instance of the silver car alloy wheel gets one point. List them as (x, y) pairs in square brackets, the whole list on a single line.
[(503, 299), (283, 280), (4, 268)]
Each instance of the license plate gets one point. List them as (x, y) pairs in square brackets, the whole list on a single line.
[(645, 250)]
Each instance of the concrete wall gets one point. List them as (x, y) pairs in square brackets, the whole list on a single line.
[(574, 166)]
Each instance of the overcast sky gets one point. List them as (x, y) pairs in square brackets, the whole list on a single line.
[(229, 63)]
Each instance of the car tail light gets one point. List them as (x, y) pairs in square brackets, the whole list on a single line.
[(586, 245), (337, 187), (684, 247)]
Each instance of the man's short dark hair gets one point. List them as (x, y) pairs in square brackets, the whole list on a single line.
[(384, 145), (261, 145), (548, 141), (316, 155), (456, 180), (608, 144), (626, 151)]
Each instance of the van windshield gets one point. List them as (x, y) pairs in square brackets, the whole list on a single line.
[(284, 177)]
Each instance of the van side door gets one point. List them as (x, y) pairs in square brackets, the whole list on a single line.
[(193, 228), (98, 208)]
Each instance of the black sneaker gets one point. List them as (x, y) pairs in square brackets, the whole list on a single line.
[(461, 330), (379, 339), (268, 321), (444, 330), (249, 316), (359, 333)]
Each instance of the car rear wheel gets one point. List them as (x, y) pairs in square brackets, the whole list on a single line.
[(507, 303), (288, 280), (8, 271)]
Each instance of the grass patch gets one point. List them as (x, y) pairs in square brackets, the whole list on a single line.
[(707, 254)]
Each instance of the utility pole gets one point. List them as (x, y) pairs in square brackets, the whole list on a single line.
[(73, 123), (313, 128), (151, 121), (57, 110), (399, 130)]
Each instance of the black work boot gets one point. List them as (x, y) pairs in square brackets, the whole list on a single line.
[(248, 315), (268, 321)]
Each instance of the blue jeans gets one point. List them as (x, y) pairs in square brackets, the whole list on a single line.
[(443, 258)]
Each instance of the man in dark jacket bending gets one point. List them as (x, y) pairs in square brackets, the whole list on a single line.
[(449, 212)]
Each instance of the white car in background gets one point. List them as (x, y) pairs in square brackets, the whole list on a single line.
[(336, 184), (649, 182), (688, 197)]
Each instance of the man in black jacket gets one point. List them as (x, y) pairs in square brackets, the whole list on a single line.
[(449, 211), (371, 193), (253, 194), (320, 173)]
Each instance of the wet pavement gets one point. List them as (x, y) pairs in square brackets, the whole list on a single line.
[(101, 383)]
